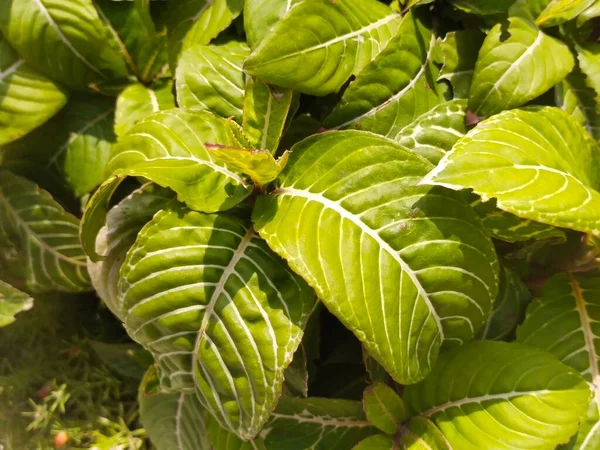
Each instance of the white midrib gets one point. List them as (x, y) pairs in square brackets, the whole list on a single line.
[(265, 131), (11, 69), (480, 399), (370, 232), (178, 421), (39, 241), (341, 38), (513, 66), (153, 100), (63, 38), (323, 421), (589, 337), (399, 94)]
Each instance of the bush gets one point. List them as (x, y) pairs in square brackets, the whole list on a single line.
[(295, 205)]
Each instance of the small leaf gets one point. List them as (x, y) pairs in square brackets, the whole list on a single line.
[(169, 148), (513, 70), (266, 109), (137, 102), (460, 50), (319, 423), (560, 11), (434, 133), (12, 302), (591, 13), (27, 98), (128, 359), (384, 408), (509, 308), (261, 15), (503, 388), (539, 163), (483, 7), (260, 165), (65, 41), (210, 78), (375, 370), (296, 375), (421, 434), (573, 96), (173, 421), (114, 240), (348, 201), (319, 44), (42, 237), (378, 442), (396, 88), (588, 55), (218, 310), (564, 321)]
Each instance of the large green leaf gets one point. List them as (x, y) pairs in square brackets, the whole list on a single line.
[(573, 96), (87, 130), (131, 25), (168, 147), (123, 224), (559, 11), (539, 163), (564, 321), (459, 54), (396, 88), (211, 78), (588, 55), (509, 308), (406, 268), (261, 15), (434, 133), (316, 423), (138, 101), (319, 44), (42, 238), (516, 64), (27, 98), (12, 302), (219, 311), (521, 396), (173, 421), (266, 109), (64, 40)]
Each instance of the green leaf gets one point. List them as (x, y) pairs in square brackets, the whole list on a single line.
[(509, 308), (296, 375), (114, 240), (131, 25), (12, 302), (378, 442), (396, 88), (218, 310), (375, 370), (316, 423), (137, 102), (260, 165), (220, 438), (459, 52), (384, 408), (434, 133), (539, 163), (483, 7), (405, 268), (261, 15), (521, 396), (564, 321), (573, 96), (211, 78), (510, 228), (318, 45), (168, 148), (266, 109), (43, 237), (591, 13), (86, 126), (560, 11), (64, 40), (173, 421), (588, 55), (421, 434), (515, 65), (197, 22), (127, 359), (27, 98)]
